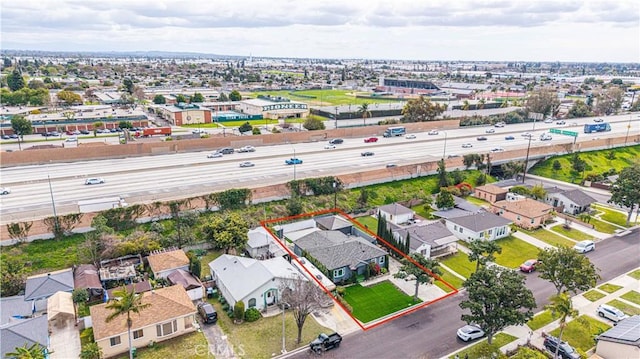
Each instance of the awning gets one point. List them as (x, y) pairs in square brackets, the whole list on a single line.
[(60, 303)]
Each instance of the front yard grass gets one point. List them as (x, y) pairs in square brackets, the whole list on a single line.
[(594, 295), (628, 309), (449, 278), (610, 288), (613, 216), (549, 237), (515, 251), (572, 233), (603, 227), (542, 319), (632, 296), (460, 264), (376, 301), (580, 333), (370, 222), (193, 345), (262, 339), (499, 340), (635, 274)]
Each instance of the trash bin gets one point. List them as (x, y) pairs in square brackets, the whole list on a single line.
[(134, 352)]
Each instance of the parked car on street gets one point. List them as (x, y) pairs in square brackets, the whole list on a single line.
[(561, 122), (585, 246), (612, 313), (6, 137), (94, 180), (207, 312), (529, 266), (325, 342), (565, 351), (598, 120), (470, 332), (371, 139)]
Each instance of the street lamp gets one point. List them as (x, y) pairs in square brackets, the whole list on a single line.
[(284, 347), (335, 194), (526, 160), (336, 117), (53, 204), (444, 151), (628, 128)]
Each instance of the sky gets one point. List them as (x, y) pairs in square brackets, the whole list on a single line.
[(483, 30)]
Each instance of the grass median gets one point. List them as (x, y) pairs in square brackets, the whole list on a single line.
[(581, 332), (549, 237), (572, 233)]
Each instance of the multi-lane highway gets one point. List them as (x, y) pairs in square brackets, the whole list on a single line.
[(170, 176)]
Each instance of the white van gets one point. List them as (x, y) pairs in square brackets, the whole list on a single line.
[(545, 137)]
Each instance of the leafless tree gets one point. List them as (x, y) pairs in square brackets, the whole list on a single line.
[(303, 297)]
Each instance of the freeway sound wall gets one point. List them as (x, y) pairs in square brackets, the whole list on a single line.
[(350, 180)]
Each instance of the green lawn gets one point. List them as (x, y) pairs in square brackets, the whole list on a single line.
[(610, 288), (460, 264), (45, 254), (376, 301), (594, 295), (596, 162), (515, 251), (541, 319), (205, 260), (572, 233), (635, 274), (370, 222), (549, 237), (262, 339), (499, 340), (603, 227), (327, 97), (613, 216), (477, 201), (422, 212), (449, 278), (193, 345), (580, 332), (628, 309), (632, 296)]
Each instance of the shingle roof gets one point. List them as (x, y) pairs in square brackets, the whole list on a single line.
[(578, 197), (45, 285), (333, 222), (18, 307), (184, 278), (480, 221), (166, 303), (335, 250), (429, 234), (86, 276), (395, 209), (167, 260), (625, 332), (491, 188), (527, 207), (24, 331)]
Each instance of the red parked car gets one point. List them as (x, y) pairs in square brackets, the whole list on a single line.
[(371, 139), (529, 266)]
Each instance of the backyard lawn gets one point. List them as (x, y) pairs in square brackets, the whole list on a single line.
[(594, 295), (370, 222), (515, 251), (632, 296), (460, 264), (580, 334), (603, 227), (628, 309), (542, 319), (549, 237), (571, 233), (449, 278), (205, 260), (499, 340), (193, 345), (376, 301), (610, 288), (262, 339), (613, 216)]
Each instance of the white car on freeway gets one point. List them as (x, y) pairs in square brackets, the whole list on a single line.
[(5, 190), (214, 155), (95, 180)]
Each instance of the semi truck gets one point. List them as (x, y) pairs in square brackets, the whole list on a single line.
[(325, 342), (146, 132), (597, 127), (395, 131)]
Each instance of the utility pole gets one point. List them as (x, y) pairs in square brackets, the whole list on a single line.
[(53, 204)]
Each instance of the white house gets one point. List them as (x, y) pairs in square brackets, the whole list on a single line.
[(256, 283), (262, 245), (395, 213), (430, 240), (573, 201), (481, 225)]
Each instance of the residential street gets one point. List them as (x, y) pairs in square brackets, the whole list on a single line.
[(430, 332)]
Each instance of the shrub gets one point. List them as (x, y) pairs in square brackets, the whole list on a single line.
[(345, 304), (238, 310), (252, 314), (256, 131), (384, 270), (340, 290), (225, 307)]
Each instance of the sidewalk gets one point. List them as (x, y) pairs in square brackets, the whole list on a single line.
[(531, 240)]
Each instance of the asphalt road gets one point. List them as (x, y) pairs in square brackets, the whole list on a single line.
[(431, 332)]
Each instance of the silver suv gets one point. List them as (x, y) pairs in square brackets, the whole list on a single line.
[(612, 313)]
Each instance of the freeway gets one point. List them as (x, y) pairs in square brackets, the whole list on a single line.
[(431, 331), (172, 176)]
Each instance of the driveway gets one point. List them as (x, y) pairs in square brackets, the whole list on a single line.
[(219, 346), (64, 339)]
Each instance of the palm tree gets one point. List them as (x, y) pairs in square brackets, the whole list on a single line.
[(126, 302), (562, 306), (24, 352), (364, 110)]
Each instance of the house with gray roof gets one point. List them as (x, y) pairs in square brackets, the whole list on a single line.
[(481, 225), (429, 239), (21, 332), (334, 223), (257, 283), (343, 256), (572, 201), (621, 341), (262, 245), (42, 286), (395, 213)]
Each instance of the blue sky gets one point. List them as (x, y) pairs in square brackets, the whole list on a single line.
[(501, 30)]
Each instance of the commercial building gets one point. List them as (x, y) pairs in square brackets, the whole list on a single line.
[(273, 108)]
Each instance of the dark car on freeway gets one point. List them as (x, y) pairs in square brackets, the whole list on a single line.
[(367, 154), (481, 138)]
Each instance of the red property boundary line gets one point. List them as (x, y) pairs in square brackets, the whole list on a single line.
[(338, 211)]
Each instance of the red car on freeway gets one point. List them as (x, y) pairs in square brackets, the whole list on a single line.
[(371, 139)]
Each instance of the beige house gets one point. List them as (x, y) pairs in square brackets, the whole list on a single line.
[(526, 213), (621, 341), (170, 314), (490, 193), (165, 262)]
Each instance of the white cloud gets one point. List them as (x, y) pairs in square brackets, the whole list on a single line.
[(588, 30)]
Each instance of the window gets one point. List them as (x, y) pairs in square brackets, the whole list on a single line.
[(166, 328), (338, 272), (455, 227), (252, 302), (138, 334), (460, 230), (532, 221), (490, 231), (518, 218), (114, 341), (381, 260)]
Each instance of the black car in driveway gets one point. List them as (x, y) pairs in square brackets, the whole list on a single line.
[(565, 351), (208, 313)]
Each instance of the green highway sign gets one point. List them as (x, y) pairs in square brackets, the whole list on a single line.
[(555, 130), (563, 132)]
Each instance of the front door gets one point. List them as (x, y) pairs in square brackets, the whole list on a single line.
[(271, 296)]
